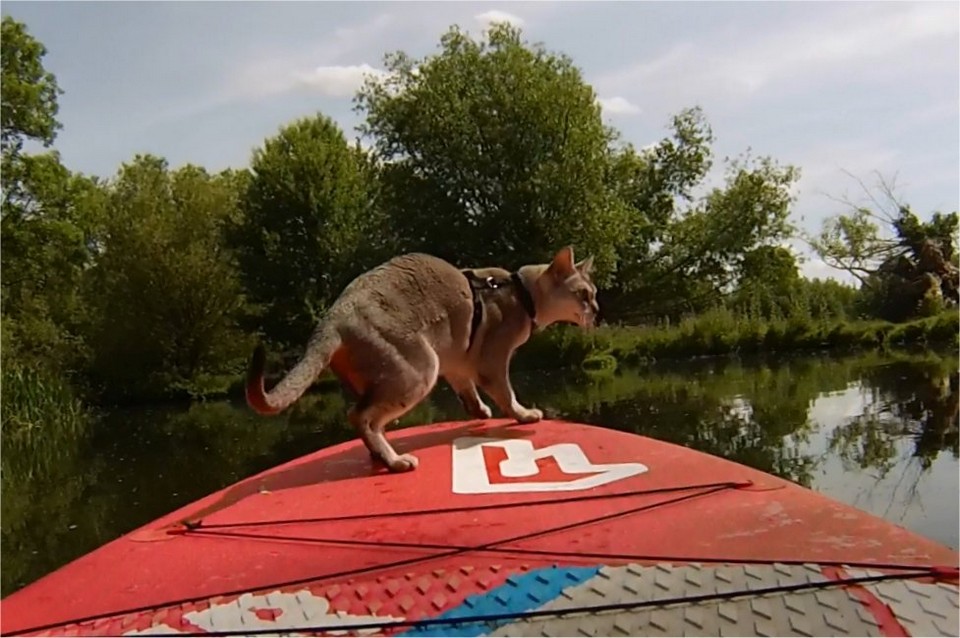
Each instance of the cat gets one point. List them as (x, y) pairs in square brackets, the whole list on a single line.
[(397, 328)]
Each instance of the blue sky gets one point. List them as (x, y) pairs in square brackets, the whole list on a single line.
[(830, 87)]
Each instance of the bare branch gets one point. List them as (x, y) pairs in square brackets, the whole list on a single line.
[(887, 190), (860, 273)]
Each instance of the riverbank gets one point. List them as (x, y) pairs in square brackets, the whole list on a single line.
[(721, 332), (716, 333)]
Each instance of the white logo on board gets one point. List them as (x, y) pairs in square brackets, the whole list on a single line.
[(486, 466)]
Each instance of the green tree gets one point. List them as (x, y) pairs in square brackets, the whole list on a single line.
[(829, 299), (770, 287), (49, 241), (29, 102), (166, 291), (654, 183), (48, 216), (769, 281), (310, 224), (906, 267), (701, 250), (493, 152)]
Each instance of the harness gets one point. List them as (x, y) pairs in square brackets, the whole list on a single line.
[(478, 286)]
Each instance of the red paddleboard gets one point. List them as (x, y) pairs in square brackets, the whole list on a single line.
[(505, 529)]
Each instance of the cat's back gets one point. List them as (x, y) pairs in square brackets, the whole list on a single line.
[(421, 273), (410, 281)]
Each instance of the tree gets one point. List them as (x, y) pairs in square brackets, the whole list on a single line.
[(696, 254), (49, 239), (29, 103), (165, 290), (310, 224), (906, 267), (768, 283), (47, 215), (829, 299), (493, 152), (656, 181)]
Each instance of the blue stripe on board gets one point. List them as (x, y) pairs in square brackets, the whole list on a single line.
[(520, 593)]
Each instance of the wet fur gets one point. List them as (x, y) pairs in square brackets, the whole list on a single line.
[(399, 327)]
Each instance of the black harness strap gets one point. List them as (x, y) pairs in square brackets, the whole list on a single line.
[(478, 286), (526, 299)]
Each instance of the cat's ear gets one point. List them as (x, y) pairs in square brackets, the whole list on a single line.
[(562, 265), (585, 267)]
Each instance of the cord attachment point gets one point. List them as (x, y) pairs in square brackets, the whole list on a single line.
[(945, 572)]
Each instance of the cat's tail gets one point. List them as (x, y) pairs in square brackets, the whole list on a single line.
[(319, 351)]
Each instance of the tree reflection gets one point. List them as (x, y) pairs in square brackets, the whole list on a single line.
[(46, 506), (755, 414), (914, 399), (758, 413)]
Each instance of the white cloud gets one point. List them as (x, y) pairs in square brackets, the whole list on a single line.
[(271, 73), (490, 17), (338, 81), (618, 106), (267, 75), (278, 72), (867, 40)]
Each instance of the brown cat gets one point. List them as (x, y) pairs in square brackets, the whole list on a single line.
[(398, 327)]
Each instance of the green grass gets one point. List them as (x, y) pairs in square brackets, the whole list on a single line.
[(720, 332), (41, 416), (35, 403)]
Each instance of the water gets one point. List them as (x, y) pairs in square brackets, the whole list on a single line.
[(879, 433)]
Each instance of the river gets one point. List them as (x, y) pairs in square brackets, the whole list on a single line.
[(876, 431)]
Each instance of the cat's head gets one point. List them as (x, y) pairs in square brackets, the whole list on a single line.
[(565, 292)]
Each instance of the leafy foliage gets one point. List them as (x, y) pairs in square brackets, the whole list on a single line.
[(702, 253), (165, 290), (310, 223), (29, 105), (493, 152), (47, 218), (654, 182), (48, 243)]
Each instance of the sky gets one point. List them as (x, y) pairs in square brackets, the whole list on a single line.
[(844, 91)]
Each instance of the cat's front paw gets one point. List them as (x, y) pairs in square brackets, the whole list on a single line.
[(527, 415), (403, 463)]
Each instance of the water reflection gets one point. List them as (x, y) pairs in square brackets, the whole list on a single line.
[(877, 432), (914, 400)]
